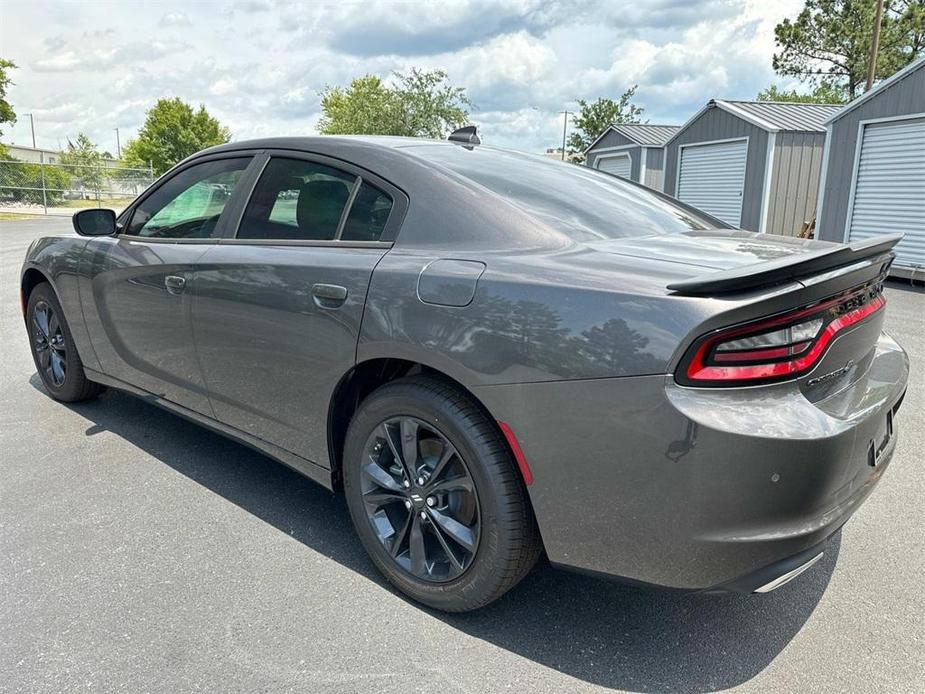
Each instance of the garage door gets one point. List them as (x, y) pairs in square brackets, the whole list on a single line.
[(889, 195), (619, 165), (712, 178)]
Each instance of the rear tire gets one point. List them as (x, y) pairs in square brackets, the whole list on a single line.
[(484, 521), (53, 349)]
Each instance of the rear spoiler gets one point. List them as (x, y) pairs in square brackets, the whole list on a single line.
[(785, 269)]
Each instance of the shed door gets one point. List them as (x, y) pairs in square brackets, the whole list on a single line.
[(618, 165), (889, 194), (712, 178)]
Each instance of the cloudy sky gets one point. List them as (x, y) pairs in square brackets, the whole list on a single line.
[(259, 65)]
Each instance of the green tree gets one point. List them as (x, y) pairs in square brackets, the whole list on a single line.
[(7, 114), (85, 162), (822, 94), (421, 104), (595, 117), (430, 105), (829, 41), (23, 182), (366, 107), (173, 131)]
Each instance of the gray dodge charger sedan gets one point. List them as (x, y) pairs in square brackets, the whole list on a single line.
[(492, 356)]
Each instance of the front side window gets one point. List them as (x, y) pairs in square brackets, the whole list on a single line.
[(188, 205), (298, 200)]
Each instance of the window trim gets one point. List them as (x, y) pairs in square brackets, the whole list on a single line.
[(348, 207), (124, 219), (390, 228)]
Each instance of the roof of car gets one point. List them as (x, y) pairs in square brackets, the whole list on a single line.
[(309, 141), (374, 152)]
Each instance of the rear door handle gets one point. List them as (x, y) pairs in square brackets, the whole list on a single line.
[(175, 284), (329, 295)]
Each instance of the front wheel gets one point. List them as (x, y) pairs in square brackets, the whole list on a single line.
[(435, 497), (53, 348)]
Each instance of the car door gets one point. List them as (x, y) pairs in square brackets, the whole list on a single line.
[(278, 306), (138, 308)]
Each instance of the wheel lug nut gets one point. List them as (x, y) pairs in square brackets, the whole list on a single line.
[(431, 501), (423, 516), (420, 481), (408, 504), (406, 484)]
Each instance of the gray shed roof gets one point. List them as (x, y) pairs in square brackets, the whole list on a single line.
[(896, 77), (776, 115), (642, 134), (772, 116), (645, 134)]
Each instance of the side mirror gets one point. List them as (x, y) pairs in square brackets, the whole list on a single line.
[(95, 222)]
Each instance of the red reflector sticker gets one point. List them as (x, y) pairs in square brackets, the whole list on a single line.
[(518, 453)]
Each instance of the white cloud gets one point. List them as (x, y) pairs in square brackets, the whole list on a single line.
[(708, 59), (174, 19), (76, 58), (252, 6), (260, 65)]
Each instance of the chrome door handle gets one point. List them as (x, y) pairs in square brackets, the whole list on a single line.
[(329, 295), (175, 284)]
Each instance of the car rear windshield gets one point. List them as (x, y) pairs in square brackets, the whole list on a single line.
[(585, 203)]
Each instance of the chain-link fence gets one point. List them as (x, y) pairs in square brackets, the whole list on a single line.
[(62, 189)]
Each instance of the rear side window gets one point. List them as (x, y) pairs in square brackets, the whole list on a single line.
[(304, 200), (189, 204), (368, 214), (297, 199)]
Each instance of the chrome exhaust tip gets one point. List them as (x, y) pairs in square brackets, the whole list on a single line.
[(789, 576)]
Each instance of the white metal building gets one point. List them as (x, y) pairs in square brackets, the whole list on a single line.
[(33, 155), (632, 150), (874, 177), (753, 164)]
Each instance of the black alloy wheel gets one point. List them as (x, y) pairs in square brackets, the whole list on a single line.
[(53, 349), (50, 343), (435, 495), (420, 499)]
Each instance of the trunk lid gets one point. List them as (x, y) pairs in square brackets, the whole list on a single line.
[(736, 260), (717, 249)]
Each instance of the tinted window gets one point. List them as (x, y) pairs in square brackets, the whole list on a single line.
[(582, 202), (188, 205), (368, 214), (297, 199)]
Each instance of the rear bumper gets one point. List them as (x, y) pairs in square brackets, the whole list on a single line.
[(778, 574), (699, 488)]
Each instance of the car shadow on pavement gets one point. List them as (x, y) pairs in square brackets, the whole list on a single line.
[(602, 632)]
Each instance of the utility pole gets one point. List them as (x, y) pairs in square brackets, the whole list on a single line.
[(41, 163), (565, 115), (118, 145), (874, 46)]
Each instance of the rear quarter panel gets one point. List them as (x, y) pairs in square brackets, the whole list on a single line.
[(535, 320), (561, 314)]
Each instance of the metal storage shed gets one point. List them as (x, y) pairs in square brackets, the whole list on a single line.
[(753, 164), (632, 150), (874, 177)]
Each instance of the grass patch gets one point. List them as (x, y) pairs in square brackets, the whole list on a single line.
[(83, 204), (10, 217)]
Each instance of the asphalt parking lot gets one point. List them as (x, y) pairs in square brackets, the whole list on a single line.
[(139, 552)]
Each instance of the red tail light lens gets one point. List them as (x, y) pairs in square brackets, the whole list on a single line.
[(778, 348)]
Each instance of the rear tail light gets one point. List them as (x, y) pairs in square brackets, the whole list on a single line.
[(777, 348)]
